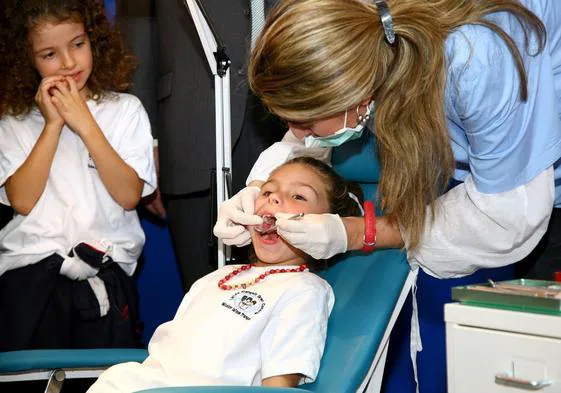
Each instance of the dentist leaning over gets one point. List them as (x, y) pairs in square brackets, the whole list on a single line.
[(465, 93), (455, 93)]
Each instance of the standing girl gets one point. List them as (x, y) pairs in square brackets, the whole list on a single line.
[(75, 159)]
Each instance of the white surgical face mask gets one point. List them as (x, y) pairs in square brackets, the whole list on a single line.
[(345, 134)]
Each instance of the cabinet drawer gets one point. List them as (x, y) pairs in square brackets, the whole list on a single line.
[(476, 356)]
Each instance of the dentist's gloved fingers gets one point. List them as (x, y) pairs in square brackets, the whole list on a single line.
[(293, 238), (242, 218), (237, 212), (236, 235), (233, 223), (243, 239), (292, 226), (284, 216), (318, 235), (247, 198), (285, 221), (230, 232), (233, 234), (240, 208)]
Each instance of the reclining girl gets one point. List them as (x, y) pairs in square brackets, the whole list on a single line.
[(262, 323)]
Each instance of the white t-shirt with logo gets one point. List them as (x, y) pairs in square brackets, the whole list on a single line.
[(75, 205), (234, 337)]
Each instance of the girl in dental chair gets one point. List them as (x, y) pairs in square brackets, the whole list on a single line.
[(75, 158), (257, 324)]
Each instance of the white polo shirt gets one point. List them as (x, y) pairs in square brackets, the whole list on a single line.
[(236, 337), (75, 205)]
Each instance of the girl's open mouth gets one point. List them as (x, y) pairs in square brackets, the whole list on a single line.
[(268, 224), (268, 230)]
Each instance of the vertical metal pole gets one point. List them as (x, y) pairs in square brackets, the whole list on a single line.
[(219, 65)]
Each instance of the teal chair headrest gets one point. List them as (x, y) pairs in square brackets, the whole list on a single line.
[(357, 160)]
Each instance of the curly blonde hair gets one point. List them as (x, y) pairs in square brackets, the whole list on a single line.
[(317, 58), (113, 64)]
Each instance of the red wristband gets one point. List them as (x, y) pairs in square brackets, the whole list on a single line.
[(369, 240)]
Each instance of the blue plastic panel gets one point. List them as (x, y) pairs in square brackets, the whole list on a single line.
[(222, 389), (48, 359)]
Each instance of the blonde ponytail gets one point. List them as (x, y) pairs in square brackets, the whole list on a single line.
[(317, 58)]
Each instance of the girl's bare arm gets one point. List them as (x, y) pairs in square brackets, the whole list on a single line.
[(26, 185), (287, 380)]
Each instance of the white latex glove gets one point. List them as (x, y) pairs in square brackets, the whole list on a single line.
[(234, 215), (318, 235)]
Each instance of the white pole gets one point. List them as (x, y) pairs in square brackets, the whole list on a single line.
[(222, 113)]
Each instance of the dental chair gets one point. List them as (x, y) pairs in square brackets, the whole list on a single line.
[(370, 290), (57, 365)]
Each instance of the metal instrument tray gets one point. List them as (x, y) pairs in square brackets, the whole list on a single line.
[(520, 295)]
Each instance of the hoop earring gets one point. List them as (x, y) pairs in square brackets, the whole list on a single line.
[(362, 118)]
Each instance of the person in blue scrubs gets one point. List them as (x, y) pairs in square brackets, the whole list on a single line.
[(470, 93), (466, 100)]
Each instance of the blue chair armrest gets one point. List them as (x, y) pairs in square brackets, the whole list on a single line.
[(223, 389), (49, 359)]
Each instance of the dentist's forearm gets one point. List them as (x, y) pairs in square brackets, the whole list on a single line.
[(387, 234)]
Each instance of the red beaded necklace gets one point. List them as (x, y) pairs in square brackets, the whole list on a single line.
[(222, 283)]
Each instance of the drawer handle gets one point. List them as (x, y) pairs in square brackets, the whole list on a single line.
[(508, 380)]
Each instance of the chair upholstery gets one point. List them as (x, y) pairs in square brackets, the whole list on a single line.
[(223, 389), (57, 365), (366, 290), (48, 359), (366, 286)]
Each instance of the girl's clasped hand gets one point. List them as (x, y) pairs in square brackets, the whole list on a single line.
[(60, 102), (63, 96)]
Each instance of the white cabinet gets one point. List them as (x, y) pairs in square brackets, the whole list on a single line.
[(498, 351)]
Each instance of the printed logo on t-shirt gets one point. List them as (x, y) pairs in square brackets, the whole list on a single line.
[(91, 163), (247, 304)]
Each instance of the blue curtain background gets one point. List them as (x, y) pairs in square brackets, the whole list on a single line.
[(110, 9)]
